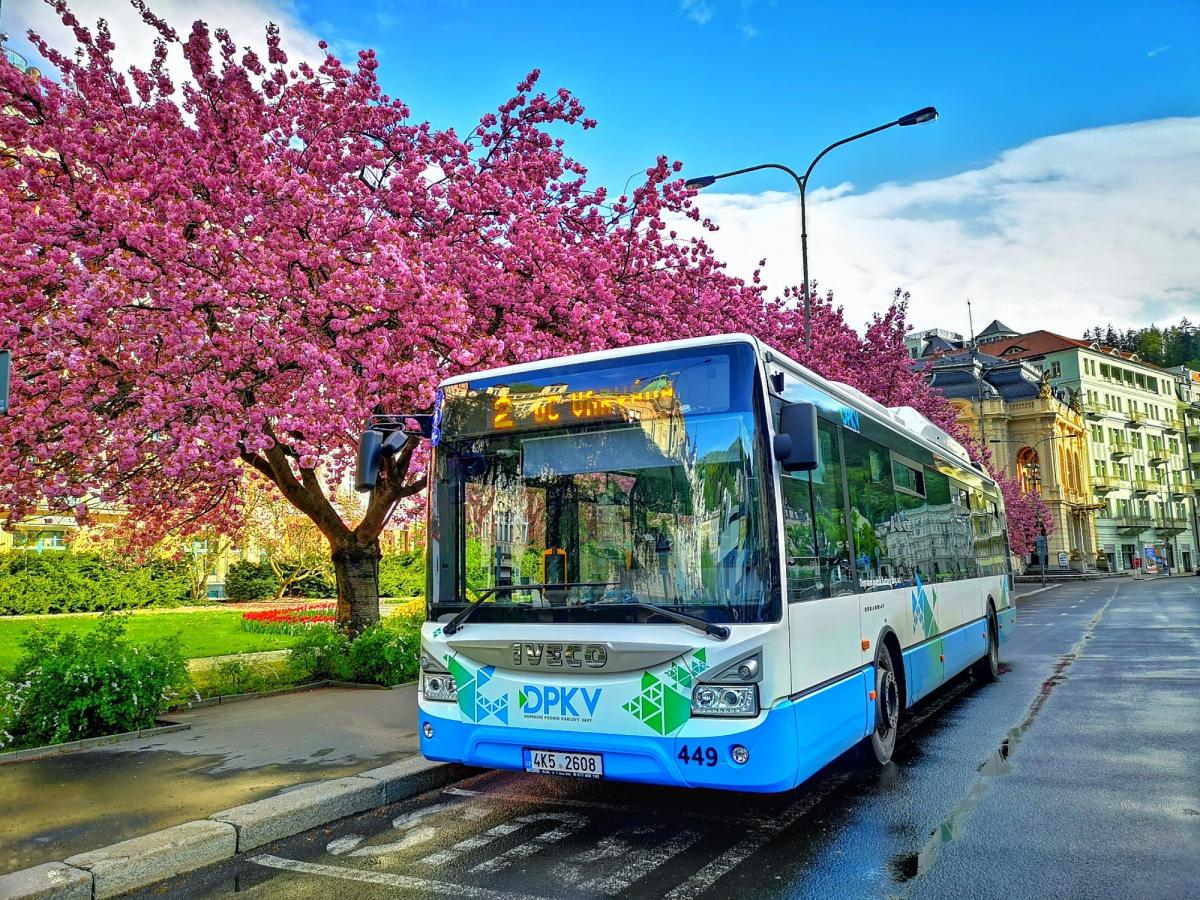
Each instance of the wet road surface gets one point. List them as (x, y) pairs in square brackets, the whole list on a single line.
[(1077, 775)]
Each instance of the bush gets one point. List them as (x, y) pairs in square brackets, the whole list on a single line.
[(238, 675), (250, 581), (87, 582), (385, 654), (322, 652), (411, 613), (402, 574), (257, 581), (70, 686)]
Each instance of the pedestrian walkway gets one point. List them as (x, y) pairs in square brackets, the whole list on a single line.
[(53, 807)]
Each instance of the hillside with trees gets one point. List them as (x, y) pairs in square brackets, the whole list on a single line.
[(1175, 345)]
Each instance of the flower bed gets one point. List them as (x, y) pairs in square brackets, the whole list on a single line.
[(290, 620)]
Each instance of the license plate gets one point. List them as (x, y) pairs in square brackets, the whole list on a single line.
[(556, 762)]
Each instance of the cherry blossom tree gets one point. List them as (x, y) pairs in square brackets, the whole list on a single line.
[(237, 271)]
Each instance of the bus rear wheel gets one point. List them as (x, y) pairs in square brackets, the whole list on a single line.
[(888, 707), (987, 669)]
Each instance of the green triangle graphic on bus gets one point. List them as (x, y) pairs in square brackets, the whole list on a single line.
[(665, 704)]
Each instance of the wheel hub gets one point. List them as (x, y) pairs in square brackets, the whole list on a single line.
[(889, 700)]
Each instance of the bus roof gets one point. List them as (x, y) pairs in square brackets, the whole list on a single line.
[(600, 355)]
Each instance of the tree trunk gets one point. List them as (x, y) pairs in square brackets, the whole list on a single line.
[(356, 567)]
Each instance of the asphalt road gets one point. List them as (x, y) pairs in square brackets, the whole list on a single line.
[(1077, 775)]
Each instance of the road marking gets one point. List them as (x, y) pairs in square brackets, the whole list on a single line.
[(611, 846), (642, 863), (388, 879), (748, 846), (952, 826), (753, 820), (568, 824)]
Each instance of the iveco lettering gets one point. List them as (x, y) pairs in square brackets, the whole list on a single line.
[(694, 563)]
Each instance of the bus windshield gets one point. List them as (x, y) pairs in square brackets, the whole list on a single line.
[(595, 488)]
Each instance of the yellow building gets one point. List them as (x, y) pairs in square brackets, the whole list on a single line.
[(1034, 434)]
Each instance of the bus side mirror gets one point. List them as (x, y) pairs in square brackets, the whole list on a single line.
[(370, 450), (795, 444)]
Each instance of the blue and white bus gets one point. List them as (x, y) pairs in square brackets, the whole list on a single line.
[(695, 563)]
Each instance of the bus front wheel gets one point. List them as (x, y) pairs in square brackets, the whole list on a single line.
[(888, 707)]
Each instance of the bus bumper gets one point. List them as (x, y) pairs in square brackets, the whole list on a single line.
[(771, 742)]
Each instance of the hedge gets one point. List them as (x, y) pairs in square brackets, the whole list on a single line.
[(402, 574), (87, 582), (257, 581)]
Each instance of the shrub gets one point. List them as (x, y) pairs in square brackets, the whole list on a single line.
[(402, 574), (385, 653), (69, 686), (250, 581), (238, 675), (411, 612), (321, 653), (246, 580), (291, 620), (87, 582)]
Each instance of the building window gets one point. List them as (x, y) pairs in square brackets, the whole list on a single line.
[(1055, 370), (38, 541)]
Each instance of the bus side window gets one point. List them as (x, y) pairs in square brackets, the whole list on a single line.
[(814, 516)]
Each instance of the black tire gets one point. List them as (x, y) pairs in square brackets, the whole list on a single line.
[(889, 706), (987, 669)]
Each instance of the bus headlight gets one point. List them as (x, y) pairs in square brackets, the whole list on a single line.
[(438, 686), (725, 700)]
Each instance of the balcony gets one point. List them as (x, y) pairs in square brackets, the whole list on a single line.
[(1158, 457), (1171, 525), (1194, 457), (1106, 484), (1172, 424), (1095, 411), (1133, 524), (1143, 485), (1119, 449), (1181, 491), (1136, 419)]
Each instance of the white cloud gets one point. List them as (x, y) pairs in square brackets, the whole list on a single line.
[(246, 21), (1157, 50), (698, 11), (1064, 232)]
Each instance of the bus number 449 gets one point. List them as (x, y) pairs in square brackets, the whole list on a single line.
[(701, 756)]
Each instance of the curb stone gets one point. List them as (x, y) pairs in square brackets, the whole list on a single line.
[(71, 746), (160, 855), (300, 809), (135, 863), (49, 880)]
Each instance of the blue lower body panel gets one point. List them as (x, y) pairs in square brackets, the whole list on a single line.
[(930, 664), (787, 743), (1006, 621)]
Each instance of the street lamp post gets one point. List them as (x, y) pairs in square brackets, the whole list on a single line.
[(921, 116)]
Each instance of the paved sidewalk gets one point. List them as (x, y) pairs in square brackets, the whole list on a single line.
[(234, 753)]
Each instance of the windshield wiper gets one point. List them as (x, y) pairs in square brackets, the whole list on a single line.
[(720, 632), (459, 620)]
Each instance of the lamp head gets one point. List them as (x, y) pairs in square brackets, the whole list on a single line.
[(702, 182), (920, 117)]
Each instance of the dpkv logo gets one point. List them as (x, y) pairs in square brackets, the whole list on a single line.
[(558, 703)]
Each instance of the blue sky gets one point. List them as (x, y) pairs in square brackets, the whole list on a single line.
[(1057, 190), (724, 84)]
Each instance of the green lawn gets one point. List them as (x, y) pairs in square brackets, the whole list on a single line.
[(201, 633)]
